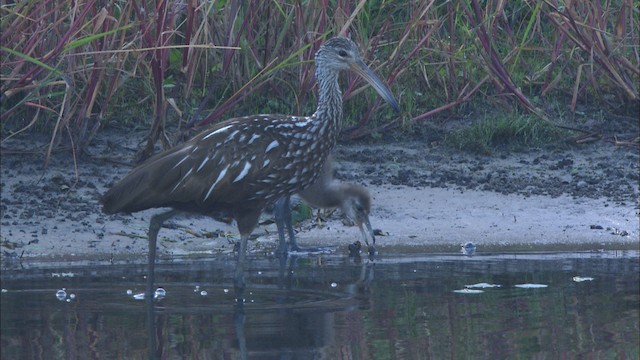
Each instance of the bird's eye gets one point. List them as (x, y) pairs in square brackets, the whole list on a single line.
[(342, 53)]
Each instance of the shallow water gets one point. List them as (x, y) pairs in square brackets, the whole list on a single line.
[(524, 305)]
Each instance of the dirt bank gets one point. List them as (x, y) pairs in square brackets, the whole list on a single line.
[(582, 196)]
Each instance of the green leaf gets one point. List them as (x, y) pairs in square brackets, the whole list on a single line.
[(87, 39), (33, 60)]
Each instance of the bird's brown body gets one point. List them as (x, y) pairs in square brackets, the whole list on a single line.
[(224, 169), (242, 165)]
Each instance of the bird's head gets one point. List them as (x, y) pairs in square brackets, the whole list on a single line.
[(357, 207), (340, 53)]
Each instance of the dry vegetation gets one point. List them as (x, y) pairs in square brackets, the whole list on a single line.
[(71, 68)]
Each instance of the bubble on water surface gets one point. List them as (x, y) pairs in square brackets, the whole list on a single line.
[(531, 286), (468, 248), (468, 291), (160, 293), (64, 274), (482, 286), (334, 285), (129, 291), (61, 294), (204, 293)]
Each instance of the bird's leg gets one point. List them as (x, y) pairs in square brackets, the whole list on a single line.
[(247, 220), (283, 217), (239, 273), (280, 212), (155, 224)]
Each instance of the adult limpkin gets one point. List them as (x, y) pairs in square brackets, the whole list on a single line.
[(354, 201), (242, 165)]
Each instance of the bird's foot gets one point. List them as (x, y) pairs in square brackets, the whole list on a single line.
[(281, 250), (238, 289), (372, 251)]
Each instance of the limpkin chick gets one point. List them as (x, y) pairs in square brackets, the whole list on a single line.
[(242, 165), (354, 201)]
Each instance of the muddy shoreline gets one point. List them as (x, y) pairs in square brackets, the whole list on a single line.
[(425, 195)]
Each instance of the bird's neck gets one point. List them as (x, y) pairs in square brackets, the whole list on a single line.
[(329, 111)]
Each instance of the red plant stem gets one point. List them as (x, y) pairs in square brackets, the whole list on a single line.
[(19, 27), (73, 28)]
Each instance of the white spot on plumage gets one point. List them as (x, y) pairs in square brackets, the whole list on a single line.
[(203, 162), (301, 136), (293, 180), (232, 135), (244, 172), (222, 129), (265, 163), (180, 162), (220, 176), (271, 146), (254, 137), (181, 180)]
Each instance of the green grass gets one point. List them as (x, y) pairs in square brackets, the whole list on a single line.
[(437, 57), (301, 212), (510, 131)]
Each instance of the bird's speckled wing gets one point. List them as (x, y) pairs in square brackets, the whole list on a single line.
[(237, 157), (243, 154)]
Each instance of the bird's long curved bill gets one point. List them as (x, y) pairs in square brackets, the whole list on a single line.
[(363, 70), (368, 232)]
